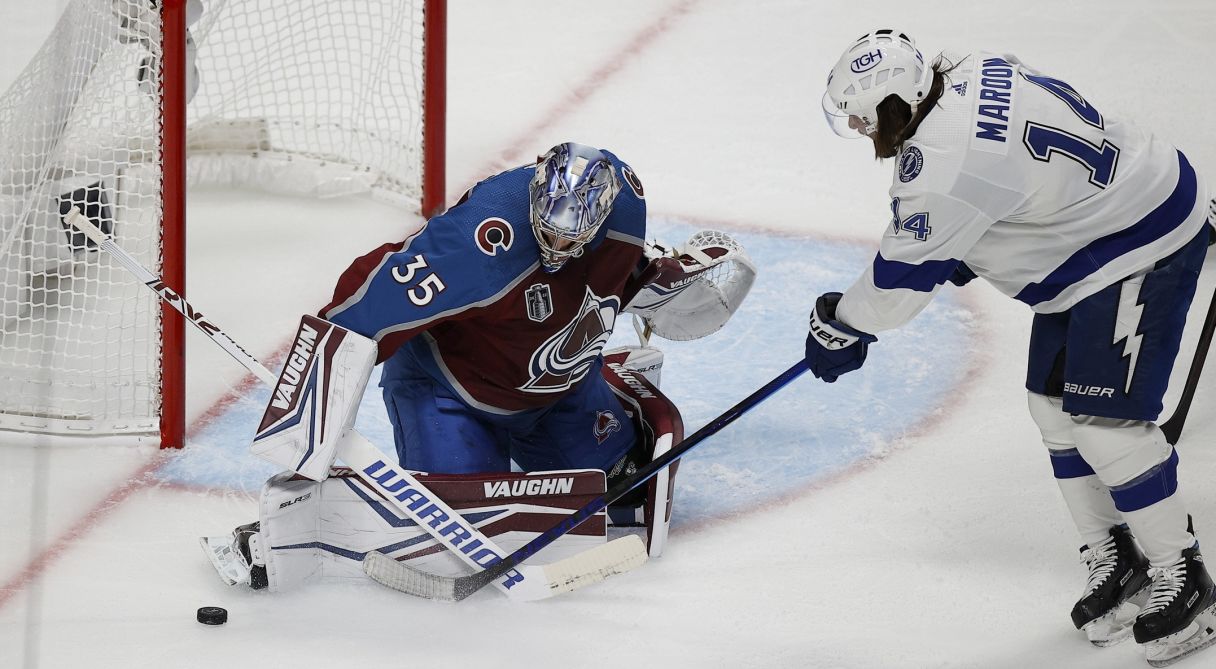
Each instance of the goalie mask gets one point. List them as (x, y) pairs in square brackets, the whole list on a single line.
[(881, 63), (570, 197)]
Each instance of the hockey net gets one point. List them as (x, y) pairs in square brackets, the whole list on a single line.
[(318, 98)]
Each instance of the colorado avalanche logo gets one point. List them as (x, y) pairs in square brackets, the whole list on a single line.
[(605, 424), (634, 182), (493, 234), (566, 357), (910, 163)]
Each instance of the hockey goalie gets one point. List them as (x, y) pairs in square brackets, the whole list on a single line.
[(490, 324)]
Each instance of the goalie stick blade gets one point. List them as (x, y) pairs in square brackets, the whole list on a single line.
[(540, 581)]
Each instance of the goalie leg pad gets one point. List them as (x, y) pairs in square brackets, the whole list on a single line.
[(644, 360), (316, 398), (659, 428), (313, 531)]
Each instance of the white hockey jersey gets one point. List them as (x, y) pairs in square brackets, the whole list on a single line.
[(1017, 175)]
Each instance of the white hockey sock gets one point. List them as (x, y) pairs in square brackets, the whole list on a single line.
[(1161, 530), (1092, 509), (1139, 466), (1088, 499)]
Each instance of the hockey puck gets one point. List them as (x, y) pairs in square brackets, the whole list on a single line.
[(212, 615)]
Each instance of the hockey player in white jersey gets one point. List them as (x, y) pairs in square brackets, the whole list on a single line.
[(1009, 174)]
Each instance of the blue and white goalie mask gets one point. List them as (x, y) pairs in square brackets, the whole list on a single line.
[(571, 196)]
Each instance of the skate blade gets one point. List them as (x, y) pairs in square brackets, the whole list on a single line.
[(1114, 627), (228, 563), (1200, 634), (1104, 635)]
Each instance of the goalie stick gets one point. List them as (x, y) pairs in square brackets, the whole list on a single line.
[(406, 578), (1172, 427), (400, 489)]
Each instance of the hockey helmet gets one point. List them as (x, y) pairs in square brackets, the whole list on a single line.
[(571, 195), (880, 63)]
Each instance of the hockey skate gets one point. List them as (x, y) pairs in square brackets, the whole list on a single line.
[(1116, 589), (1180, 617), (238, 558)]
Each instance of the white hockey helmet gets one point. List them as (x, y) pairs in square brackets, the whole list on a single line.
[(880, 63), (570, 196)]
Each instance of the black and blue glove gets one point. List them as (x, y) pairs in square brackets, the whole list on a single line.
[(833, 348), (962, 275)]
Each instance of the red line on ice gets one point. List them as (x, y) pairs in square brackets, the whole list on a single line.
[(137, 481)]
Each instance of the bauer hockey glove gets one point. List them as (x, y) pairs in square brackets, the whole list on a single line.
[(833, 348)]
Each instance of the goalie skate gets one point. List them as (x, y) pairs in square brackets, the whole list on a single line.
[(237, 557), (1200, 634)]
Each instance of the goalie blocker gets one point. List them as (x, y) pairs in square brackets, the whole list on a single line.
[(316, 398)]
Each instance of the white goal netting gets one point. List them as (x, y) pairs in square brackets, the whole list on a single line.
[(312, 97)]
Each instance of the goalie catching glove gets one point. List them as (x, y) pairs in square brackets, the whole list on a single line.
[(690, 291)]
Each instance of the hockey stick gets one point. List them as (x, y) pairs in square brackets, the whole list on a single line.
[(405, 578), (1172, 427), (399, 488)]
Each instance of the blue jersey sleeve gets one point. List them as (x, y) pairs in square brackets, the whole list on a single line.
[(459, 262)]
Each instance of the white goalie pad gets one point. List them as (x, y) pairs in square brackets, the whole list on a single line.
[(644, 360), (316, 398), (693, 290), (659, 425), (313, 531)]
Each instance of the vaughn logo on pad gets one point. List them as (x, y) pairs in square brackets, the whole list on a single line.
[(316, 397), (529, 488)]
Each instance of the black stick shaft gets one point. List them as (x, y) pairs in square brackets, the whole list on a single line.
[(1173, 426)]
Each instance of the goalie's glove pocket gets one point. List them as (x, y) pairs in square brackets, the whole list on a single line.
[(691, 291), (833, 348)]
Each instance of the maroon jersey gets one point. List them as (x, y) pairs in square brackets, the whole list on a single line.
[(467, 299)]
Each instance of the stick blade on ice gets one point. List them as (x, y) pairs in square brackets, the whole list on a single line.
[(541, 581)]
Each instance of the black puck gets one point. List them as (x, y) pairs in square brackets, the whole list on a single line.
[(212, 615)]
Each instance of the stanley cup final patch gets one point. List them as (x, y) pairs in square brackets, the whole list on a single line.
[(539, 301)]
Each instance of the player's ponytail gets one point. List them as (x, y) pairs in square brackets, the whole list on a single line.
[(896, 122)]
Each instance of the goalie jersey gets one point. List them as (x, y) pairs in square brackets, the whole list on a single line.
[(1038, 191), (467, 299)]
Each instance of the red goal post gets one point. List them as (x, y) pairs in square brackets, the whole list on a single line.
[(316, 98)]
